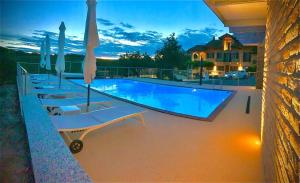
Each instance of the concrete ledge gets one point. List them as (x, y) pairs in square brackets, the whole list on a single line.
[(51, 159)]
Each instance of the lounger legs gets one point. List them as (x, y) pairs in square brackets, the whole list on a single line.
[(86, 132), (139, 118), (76, 146)]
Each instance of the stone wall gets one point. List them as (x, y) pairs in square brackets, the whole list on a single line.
[(281, 92), (260, 65)]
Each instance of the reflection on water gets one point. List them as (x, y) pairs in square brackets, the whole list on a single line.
[(187, 101)]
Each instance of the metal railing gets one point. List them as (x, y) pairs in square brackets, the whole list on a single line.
[(22, 79), (187, 75)]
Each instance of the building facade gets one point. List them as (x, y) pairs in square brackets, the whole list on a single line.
[(227, 53)]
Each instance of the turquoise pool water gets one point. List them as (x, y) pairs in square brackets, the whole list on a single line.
[(189, 102)]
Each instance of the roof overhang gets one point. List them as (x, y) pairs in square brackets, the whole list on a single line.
[(238, 13)]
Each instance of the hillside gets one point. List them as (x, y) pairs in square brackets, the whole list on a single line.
[(9, 58)]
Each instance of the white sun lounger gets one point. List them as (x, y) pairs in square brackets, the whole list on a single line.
[(53, 81), (73, 101), (47, 82), (55, 91), (52, 104), (44, 80), (58, 93), (40, 77), (87, 122), (73, 75), (63, 86)]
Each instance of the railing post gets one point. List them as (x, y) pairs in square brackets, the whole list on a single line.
[(70, 66), (110, 73), (25, 83), (221, 83), (18, 73), (141, 72), (161, 76), (173, 74)]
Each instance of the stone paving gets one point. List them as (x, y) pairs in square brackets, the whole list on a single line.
[(171, 148)]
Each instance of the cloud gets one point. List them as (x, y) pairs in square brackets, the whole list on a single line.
[(32, 43), (115, 39), (105, 22), (126, 25), (118, 40), (191, 37), (120, 33)]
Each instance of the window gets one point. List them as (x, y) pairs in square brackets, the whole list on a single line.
[(220, 68), (195, 56), (227, 46), (235, 56), (210, 55), (227, 43), (247, 57), (209, 68), (233, 68), (219, 56), (227, 57)]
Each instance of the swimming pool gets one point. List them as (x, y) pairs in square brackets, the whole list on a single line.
[(183, 101)]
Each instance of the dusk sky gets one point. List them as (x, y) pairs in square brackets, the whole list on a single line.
[(124, 26)]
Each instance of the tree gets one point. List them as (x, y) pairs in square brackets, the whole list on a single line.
[(171, 55), (136, 59)]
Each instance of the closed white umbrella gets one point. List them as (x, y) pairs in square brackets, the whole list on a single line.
[(48, 53), (91, 41), (60, 62), (42, 54)]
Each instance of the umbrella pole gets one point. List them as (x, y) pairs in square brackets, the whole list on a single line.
[(48, 77), (59, 79), (88, 97)]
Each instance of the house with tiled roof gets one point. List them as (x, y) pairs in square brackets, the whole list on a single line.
[(227, 53)]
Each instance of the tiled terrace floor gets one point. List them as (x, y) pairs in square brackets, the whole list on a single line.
[(171, 148)]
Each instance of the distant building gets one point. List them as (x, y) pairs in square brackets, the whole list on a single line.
[(227, 53)]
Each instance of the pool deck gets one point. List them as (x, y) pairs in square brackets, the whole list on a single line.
[(172, 148)]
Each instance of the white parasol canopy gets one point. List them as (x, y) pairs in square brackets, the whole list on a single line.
[(60, 62), (42, 54), (91, 41)]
